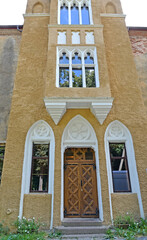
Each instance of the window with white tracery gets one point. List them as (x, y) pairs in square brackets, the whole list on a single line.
[(77, 67), (74, 12)]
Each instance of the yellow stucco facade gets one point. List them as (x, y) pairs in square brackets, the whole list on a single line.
[(36, 80)]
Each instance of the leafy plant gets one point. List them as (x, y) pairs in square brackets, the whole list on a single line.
[(3, 230), (27, 226), (55, 234)]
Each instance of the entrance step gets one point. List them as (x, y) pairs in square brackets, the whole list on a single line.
[(82, 230), (81, 222)]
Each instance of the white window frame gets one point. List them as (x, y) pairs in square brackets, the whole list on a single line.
[(79, 4), (40, 133), (82, 52), (117, 132)]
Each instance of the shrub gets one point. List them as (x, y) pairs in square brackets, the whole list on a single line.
[(27, 226), (3, 230)]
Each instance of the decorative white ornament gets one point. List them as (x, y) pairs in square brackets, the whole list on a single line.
[(89, 38), (116, 131), (61, 37), (41, 130), (75, 37), (79, 131)]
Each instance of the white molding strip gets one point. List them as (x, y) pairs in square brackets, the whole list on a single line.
[(75, 26), (36, 15), (100, 107), (112, 15)]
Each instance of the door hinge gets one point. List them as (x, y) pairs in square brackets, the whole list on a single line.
[(65, 212), (65, 166), (94, 166), (97, 212)]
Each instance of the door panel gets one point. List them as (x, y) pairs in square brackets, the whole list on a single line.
[(80, 185)]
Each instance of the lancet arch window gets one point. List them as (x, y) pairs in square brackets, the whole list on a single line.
[(74, 12), (77, 68)]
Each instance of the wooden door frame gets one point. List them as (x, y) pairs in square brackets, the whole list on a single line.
[(88, 144)]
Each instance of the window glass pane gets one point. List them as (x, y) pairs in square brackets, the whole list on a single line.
[(89, 154), (2, 152), (74, 15), (120, 174), (40, 168), (90, 77), (77, 77), (76, 59), (88, 59), (64, 77), (64, 59), (64, 15), (85, 15)]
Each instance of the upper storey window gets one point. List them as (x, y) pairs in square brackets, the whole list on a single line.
[(77, 67), (74, 12)]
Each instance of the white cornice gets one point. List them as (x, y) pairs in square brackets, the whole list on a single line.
[(36, 15), (75, 26), (100, 107), (112, 15)]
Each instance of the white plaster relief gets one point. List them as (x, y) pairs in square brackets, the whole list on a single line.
[(89, 38), (61, 37), (75, 37)]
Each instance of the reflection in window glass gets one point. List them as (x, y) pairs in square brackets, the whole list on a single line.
[(85, 15), (40, 168), (64, 77), (76, 59), (64, 15), (77, 77), (120, 173), (64, 59), (74, 15), (90, 76), (2, 152), (88, 59)]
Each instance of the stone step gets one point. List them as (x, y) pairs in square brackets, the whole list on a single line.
[(84, 237), (78, 222), (82, 230)]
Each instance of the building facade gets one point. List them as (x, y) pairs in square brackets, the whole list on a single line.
[(76, 139)]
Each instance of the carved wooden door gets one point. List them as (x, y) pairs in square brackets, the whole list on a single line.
[(80, 185)]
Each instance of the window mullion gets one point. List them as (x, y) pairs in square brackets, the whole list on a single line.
[(80, 14), (90, 12), (83, 71), (70, 69), (69, 13)]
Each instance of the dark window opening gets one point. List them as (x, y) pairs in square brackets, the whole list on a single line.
[(119, 165), (2, 153), (40, 168)]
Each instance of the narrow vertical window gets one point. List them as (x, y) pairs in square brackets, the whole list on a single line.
[(74, 14), (85, 15), (119, 165), (76, 71), (2, 153), (90, 71), (64, 71), (40, 168), (64, 14)]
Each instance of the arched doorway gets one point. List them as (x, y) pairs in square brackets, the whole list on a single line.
[(81, 185)]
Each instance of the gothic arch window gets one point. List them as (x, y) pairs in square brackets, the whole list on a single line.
[(38, 165), (121, 163), (74, 12), (80, 134), (77, 67)]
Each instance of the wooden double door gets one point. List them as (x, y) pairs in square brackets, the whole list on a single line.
[(80, 184)]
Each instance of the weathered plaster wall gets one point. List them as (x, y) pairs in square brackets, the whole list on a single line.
[(131, 208), (139, 46), (38, 206), (9, 50)]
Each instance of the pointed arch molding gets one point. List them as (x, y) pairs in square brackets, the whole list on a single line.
[(39, 132), (80, 133), (100, 107), (118, 132)]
